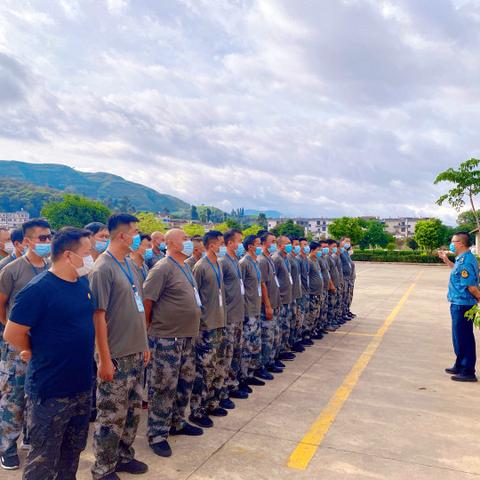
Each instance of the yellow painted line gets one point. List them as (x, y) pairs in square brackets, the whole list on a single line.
[(355, 333), (305, 450)]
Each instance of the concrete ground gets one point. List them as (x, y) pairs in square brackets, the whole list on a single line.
[(403, 418)]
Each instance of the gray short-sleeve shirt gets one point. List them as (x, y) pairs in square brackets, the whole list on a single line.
[(267, 268), (252, 278), (297, 281), (232, 281), (315, 277), (282, 267)]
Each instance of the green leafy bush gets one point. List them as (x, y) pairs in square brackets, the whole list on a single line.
[(396, 256)]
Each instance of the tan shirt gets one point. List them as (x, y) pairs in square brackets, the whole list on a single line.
[(175, 311)]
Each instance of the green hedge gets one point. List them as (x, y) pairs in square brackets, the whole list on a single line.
[(396, 256)]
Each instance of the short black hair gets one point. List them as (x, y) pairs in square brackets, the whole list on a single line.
[(265, 235), (249, 240), (211, 236), (95, 227), (302, 239), (197, 238), (261, 232), (331, 241), (118, 219), (16, 235), (144, 236), (67, 238), (314, 246), (34, 223), (465, 236), (230, 234)]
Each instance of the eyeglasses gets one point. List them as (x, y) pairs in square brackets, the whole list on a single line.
[(44, 238)]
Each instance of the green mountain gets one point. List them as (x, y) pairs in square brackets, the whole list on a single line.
[(113, 190)]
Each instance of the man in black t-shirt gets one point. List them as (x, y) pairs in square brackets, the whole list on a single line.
[(51, 324)]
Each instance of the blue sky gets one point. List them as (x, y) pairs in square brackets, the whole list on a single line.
[(310, 107)]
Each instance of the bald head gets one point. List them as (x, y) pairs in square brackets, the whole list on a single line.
[(174, 239)]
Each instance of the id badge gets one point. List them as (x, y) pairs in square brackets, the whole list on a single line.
[(139, 302), (197, 296), (259, 290), (277, 282), (242, 287), (290, 278), (220, 298)]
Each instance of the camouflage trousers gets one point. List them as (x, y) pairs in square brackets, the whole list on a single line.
[(331, 314), (233, 356), (295, 321), (270, 334), (322, 322), (12, 399), (339, 305), (351, 287), (302, 311), (284, 322), (58, 434), (210, 362), (119, 404), (170, 381), (313, 312), (251, 348)]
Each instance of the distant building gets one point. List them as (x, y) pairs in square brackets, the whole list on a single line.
[(403, 227), (13, 219)]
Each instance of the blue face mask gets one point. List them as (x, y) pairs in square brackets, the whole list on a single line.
[(319, 254), (258, 251), (42, 249), (148, 255), (288, 248), (135, 242), (162, 246), (342, 250), (347, 246), (272, 248), (334, 249), (101, 246), (204, 254), (306, 249), (296, 249), (187, 248), (325, 250), (240, 250), (451, 247), (222, 251)]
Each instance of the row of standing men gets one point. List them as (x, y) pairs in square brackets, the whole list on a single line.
[(218, 315)]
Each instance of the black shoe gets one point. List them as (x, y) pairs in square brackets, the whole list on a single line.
[(136, 467), (227, 404), (288, 356), (110, 476), (255, 382), (274, 369), (239, 393), (452, 371), (298, 347), (162, 449), (464, 378), (263, 374), (317, 336), (204, 421), (307, 342), (244, 387), (187, 429), (217, 412), (279, 364), (11, 462)]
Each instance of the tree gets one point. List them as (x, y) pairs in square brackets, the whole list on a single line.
[(194, 213), (233, 224), (222, 227), (289, 228), (192, 229), (262, 220), (149, 223), (375, 235), (346, 227), (75, 211), (467, 184), (412, 244), (252, 230), (430, 234), (466, 221)]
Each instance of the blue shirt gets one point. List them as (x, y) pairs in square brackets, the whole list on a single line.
[(60, 317), (463, 275)]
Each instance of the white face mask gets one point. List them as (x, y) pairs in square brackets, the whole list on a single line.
[(9, 247), (87, 267)]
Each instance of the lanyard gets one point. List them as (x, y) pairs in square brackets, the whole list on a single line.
[(217, 273), (128, 274), (144, 271), (287, 265), (235, 265), (35, 271), (184, 271), (254, 263), (270, 261)]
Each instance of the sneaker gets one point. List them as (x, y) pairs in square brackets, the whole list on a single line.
[(244, 387), (464, 378), (307, 342), (162, 449), (239, 393), (135, 467), (255, 382), (452, 371), (227, 404), (217, 412), (298, 347), (288, 356), (317, 336), (11, 462), (187, 429), (274, 369), (279, 364), (202, 421)]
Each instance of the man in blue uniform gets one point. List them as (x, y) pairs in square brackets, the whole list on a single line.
[(463, 293)]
